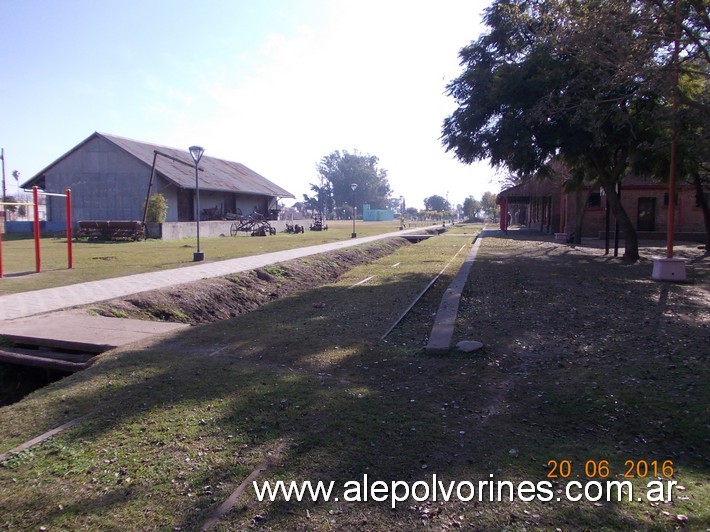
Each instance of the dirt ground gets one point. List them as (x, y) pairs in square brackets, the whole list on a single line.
[(563, 299)]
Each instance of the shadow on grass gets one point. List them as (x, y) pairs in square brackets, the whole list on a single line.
[(18, 274), (583, 361)]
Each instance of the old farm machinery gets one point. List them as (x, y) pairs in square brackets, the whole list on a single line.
[(318, 224), (256, 224)]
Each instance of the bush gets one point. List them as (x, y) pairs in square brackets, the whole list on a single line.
[(157, 208)]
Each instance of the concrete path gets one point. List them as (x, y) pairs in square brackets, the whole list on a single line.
[(25, 304), (445, 321)]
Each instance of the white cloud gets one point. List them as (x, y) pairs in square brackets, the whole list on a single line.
[(372, 78)]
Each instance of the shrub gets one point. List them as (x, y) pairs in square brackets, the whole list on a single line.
[(157, 208)]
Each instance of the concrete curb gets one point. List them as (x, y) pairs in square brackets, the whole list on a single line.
[(443, 329)]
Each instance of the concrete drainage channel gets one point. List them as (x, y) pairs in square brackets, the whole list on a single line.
[(48, 342), (45, 348), (47, 353)]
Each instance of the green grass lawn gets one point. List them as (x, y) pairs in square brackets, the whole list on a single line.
[(178, 423), (102, 260)]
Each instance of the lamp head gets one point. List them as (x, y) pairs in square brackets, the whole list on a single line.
[(196, 153), (353, 186)]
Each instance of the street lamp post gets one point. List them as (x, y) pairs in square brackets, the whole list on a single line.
[(354, 186), (401, 212), (196, 154)]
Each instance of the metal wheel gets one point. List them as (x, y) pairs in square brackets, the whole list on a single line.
[(233, 229)]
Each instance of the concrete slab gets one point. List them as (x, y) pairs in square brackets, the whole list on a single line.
[(417, 238), (74, 329), (443, 329)]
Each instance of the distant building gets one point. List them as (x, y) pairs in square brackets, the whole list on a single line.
[(544, 206), (109, 178), (376, 215)]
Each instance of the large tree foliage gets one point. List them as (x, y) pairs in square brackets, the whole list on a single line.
[(693, 18), (488, 206), (585, 82), (471, 206), (436, 203), (322, 201), (684, 77), (338, 171)]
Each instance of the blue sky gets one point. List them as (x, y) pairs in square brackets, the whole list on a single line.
[(273, 84)]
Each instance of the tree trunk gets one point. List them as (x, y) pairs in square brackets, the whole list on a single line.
[(582, 203), (607, 179), (631, 251), (700, 193)]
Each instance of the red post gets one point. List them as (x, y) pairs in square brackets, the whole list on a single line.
[(671, 203), (35, 199), (1, 252), (674, 144), (504, 214), (70, 255)]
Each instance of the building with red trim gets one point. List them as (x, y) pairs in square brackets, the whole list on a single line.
[(544, 206)]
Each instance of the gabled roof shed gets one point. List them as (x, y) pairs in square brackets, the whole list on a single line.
[(109, 177)]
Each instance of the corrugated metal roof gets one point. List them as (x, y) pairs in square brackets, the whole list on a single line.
[(215, 174)]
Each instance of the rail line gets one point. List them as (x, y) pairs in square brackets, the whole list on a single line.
[(421, 294)]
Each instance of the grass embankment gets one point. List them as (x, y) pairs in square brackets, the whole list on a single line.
[(103, 260), (177, 424)]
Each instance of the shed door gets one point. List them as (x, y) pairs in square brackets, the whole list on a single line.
[(646, 214), (185, 209)]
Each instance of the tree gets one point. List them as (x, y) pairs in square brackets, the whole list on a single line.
[(338, 171), (685, 26), (694, 39), (471, 206), (683, 75), (396, 204), (322, 202), (561, 79), (344, 212), (436, 203), (412, 212), (692, 135), (488, 206)]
